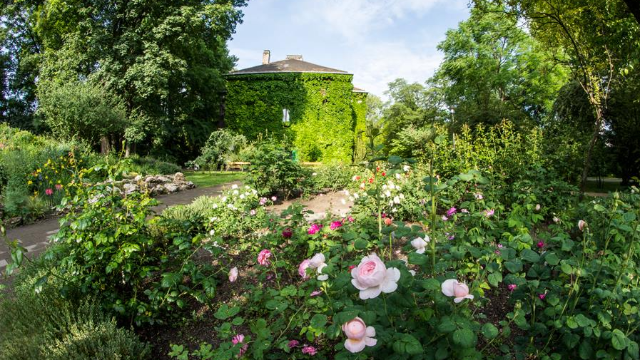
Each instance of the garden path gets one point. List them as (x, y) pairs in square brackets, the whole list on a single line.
[(35, 237)]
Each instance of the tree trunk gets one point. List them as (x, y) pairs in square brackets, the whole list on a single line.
[(104, 145), (592, 143)]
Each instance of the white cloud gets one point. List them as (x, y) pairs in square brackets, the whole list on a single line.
[(353, 20), (382, 63)]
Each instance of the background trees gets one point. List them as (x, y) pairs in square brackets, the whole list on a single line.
[(163, 60)]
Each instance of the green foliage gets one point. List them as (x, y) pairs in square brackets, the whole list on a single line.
[(323, 111), (222, 147), (494, 70), (81, 110), (165, 61), (37, 322), (115, 255), (29, 165), (273, 170)]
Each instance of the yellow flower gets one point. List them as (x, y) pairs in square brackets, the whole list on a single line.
[(38, 170), (29, 182), (35, 193)]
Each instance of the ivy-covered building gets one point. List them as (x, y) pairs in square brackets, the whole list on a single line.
[(314, 107)]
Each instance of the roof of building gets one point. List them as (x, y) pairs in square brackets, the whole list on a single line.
[(357, 89), (288, 66)]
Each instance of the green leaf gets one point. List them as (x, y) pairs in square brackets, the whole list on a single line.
[(361, 244), (495, 279), (289, 291), (170, 279), (318, 321), (585, 350), (442, 353), (618, 340), (394, 159), (407, 344), (632, 350), (530, 256), (514, 266), (552, 259), (566, 268), (489, 331), (446, 325), (224, 312), (464, 338), (417, 259)]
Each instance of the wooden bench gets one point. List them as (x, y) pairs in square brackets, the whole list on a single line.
[(240, 165), (237, 165)]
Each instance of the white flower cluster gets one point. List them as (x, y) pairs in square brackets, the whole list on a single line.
[(393, 193)]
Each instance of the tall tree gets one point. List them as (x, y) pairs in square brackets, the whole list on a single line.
[(164, 59), (20, 47), (600, 38), (494, 70)]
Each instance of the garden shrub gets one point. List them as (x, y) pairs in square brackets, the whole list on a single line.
[(37, 322), (223, 146), (35, 171), (114, 255), (236, 213), (273, 171)]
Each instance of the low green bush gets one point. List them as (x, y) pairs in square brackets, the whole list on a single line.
[(38, 322), (273, 171)]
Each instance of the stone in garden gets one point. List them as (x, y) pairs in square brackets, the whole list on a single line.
[(130, 188), (178, 177), (171, 188)]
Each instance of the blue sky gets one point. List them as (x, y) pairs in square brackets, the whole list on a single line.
[(376, 40)]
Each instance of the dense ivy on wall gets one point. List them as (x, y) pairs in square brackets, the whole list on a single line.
[(359, 105), (321, 111)]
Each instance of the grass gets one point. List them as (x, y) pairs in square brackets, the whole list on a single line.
[(212, 178), (607, 185)]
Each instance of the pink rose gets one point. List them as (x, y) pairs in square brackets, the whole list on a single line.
[(233, 274), (350, 218), (335, 225), (49, 192), (372, 277), (512, 287), (293, 343), (263, 257), (287, 233), (309, 350), (581, 224), (451, 211), (302, 269), (359, 335), (238, 339), (456, 289), (314, 229), (318, 262)]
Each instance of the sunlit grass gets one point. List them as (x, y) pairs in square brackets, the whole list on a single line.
[(212, 178)]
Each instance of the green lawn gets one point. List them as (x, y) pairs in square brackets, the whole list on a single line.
[(211, 178), (607, 185)]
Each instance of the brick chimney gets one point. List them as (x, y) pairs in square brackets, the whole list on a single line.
[(266, 57), (294, 57)]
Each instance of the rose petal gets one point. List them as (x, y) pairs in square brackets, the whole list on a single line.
[(458, 300), (369, 341), (323, 277), (371, 331), (389, 284), (354, 346), (357, 284), (420, 251), (370, 293), (448, 287)]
